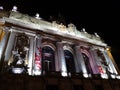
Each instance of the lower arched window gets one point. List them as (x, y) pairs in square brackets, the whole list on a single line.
[(69, 61), (48, 59)]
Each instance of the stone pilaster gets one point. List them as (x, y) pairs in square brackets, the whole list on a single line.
[(3, 44), (31, 54), (77, 66), (10, 45), (57, 65)]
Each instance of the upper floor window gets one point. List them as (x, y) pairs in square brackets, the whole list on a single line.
[(48, 58), (69, 61), (102, 58)]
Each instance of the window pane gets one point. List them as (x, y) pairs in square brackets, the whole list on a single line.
[(69, 61), (48, 59)]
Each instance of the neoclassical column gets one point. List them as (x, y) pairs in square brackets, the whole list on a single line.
[(77, 66), (61, 59), (57, 65), (3, 43), (80, 60), (31, 55), (6, 48), (10, 44), (110, 61), (95, 60)]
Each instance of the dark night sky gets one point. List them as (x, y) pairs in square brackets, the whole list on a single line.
[(101, 16)]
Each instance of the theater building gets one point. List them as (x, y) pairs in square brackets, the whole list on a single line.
[(37, 54)]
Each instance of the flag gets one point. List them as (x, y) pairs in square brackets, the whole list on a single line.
[(38, 56)]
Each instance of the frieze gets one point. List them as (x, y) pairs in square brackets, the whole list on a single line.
[(54, 26), (27, 19)]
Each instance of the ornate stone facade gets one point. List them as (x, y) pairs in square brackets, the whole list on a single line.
[(38, 49)]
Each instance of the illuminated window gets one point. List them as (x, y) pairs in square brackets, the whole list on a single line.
[(87, 63), (48, 59), (52, 87), (69, 61)]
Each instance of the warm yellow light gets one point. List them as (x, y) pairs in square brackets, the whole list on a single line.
[(107, 49)]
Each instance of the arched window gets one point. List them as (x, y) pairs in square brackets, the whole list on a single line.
[(103, 65), (102, 58), (48, 59), (87, 63), (69, 61)]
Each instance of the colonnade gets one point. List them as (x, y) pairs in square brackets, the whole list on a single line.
[(35, 67)]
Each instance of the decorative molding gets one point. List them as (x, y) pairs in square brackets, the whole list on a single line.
[(62, 30)]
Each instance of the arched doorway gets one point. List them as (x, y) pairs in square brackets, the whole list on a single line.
[(48, 59)]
